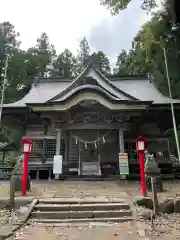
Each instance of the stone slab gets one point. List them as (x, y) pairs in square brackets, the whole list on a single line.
[(83, 220), (7, 231), (19, 201), (79, 200)]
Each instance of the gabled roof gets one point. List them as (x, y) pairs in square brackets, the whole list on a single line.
[(121, 88), (101, 81)]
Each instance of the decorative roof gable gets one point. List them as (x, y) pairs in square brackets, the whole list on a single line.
[(92, 79)]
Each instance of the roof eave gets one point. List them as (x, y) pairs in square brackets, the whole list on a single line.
[(128, 102)]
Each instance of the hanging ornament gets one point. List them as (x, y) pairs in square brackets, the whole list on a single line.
[(104, 140), (85, 145), (95, 145), (76, 140)]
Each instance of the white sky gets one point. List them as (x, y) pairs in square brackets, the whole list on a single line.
[(65, 21)]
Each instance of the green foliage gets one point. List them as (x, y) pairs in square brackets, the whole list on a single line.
[(172, 141), (101, 62), (83, 53), (116, 6), (44, 52), (147, 52), (99, 59), (65, 65)]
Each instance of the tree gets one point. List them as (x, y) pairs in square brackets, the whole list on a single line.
[(44, 52), (116, 6), (147, 54), (8, 43), (22, 68), (84, 53), (101, 61), (65, 65)]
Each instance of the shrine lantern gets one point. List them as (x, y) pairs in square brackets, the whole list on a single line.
[(26, 145)]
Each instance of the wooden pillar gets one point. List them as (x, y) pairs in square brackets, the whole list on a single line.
[(66, 147), (49, 173), (121, 141), (58, 146), (58, 142), (3, 157), (37, 174)]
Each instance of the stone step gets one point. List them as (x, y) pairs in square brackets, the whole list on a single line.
[(80, 214), (82, 220), (81, 207), (79, 200)]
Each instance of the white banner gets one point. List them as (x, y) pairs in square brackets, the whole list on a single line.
[(57, 164)]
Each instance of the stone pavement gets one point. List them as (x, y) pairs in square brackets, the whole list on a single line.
[(110, 190), (81, 189), (122, 189), (99, 231)]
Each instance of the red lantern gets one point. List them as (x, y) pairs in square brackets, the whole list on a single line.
[(26, 144), (141, 144)]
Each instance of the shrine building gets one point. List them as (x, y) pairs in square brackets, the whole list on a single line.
[(89, 120)]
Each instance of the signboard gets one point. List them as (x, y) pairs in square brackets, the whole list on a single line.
[(57, 164), (123, 164)]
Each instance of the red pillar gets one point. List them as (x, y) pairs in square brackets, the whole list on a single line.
[(142, 173), (25, 174)]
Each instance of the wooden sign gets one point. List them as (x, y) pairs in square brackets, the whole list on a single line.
[(123, 164)]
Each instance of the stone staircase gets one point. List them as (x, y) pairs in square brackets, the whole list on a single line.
[(62, 210)]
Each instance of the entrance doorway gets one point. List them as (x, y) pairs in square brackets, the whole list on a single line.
[(89, 160)]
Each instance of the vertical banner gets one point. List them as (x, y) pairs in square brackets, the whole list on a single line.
[(123, 164), (57, 164)]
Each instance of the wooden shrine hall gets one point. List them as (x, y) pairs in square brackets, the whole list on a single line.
[(89, 120)]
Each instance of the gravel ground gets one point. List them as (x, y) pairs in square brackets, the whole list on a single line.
[(4, 216)]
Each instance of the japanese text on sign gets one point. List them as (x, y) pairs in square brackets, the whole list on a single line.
[(123, 164)]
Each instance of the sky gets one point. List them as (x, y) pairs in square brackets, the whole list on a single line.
[(67, 21)]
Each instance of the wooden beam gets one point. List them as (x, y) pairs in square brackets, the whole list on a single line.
[(123, 126)]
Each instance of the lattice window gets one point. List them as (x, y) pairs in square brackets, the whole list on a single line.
[(50, 148), (47, 147), (130, 148), (38, 147)]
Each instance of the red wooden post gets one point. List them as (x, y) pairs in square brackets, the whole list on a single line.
[(142, 173), (140, 148), (25, 174), (26, 149)]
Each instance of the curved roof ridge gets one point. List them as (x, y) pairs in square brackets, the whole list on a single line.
[(83, 74), (89, 86)]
